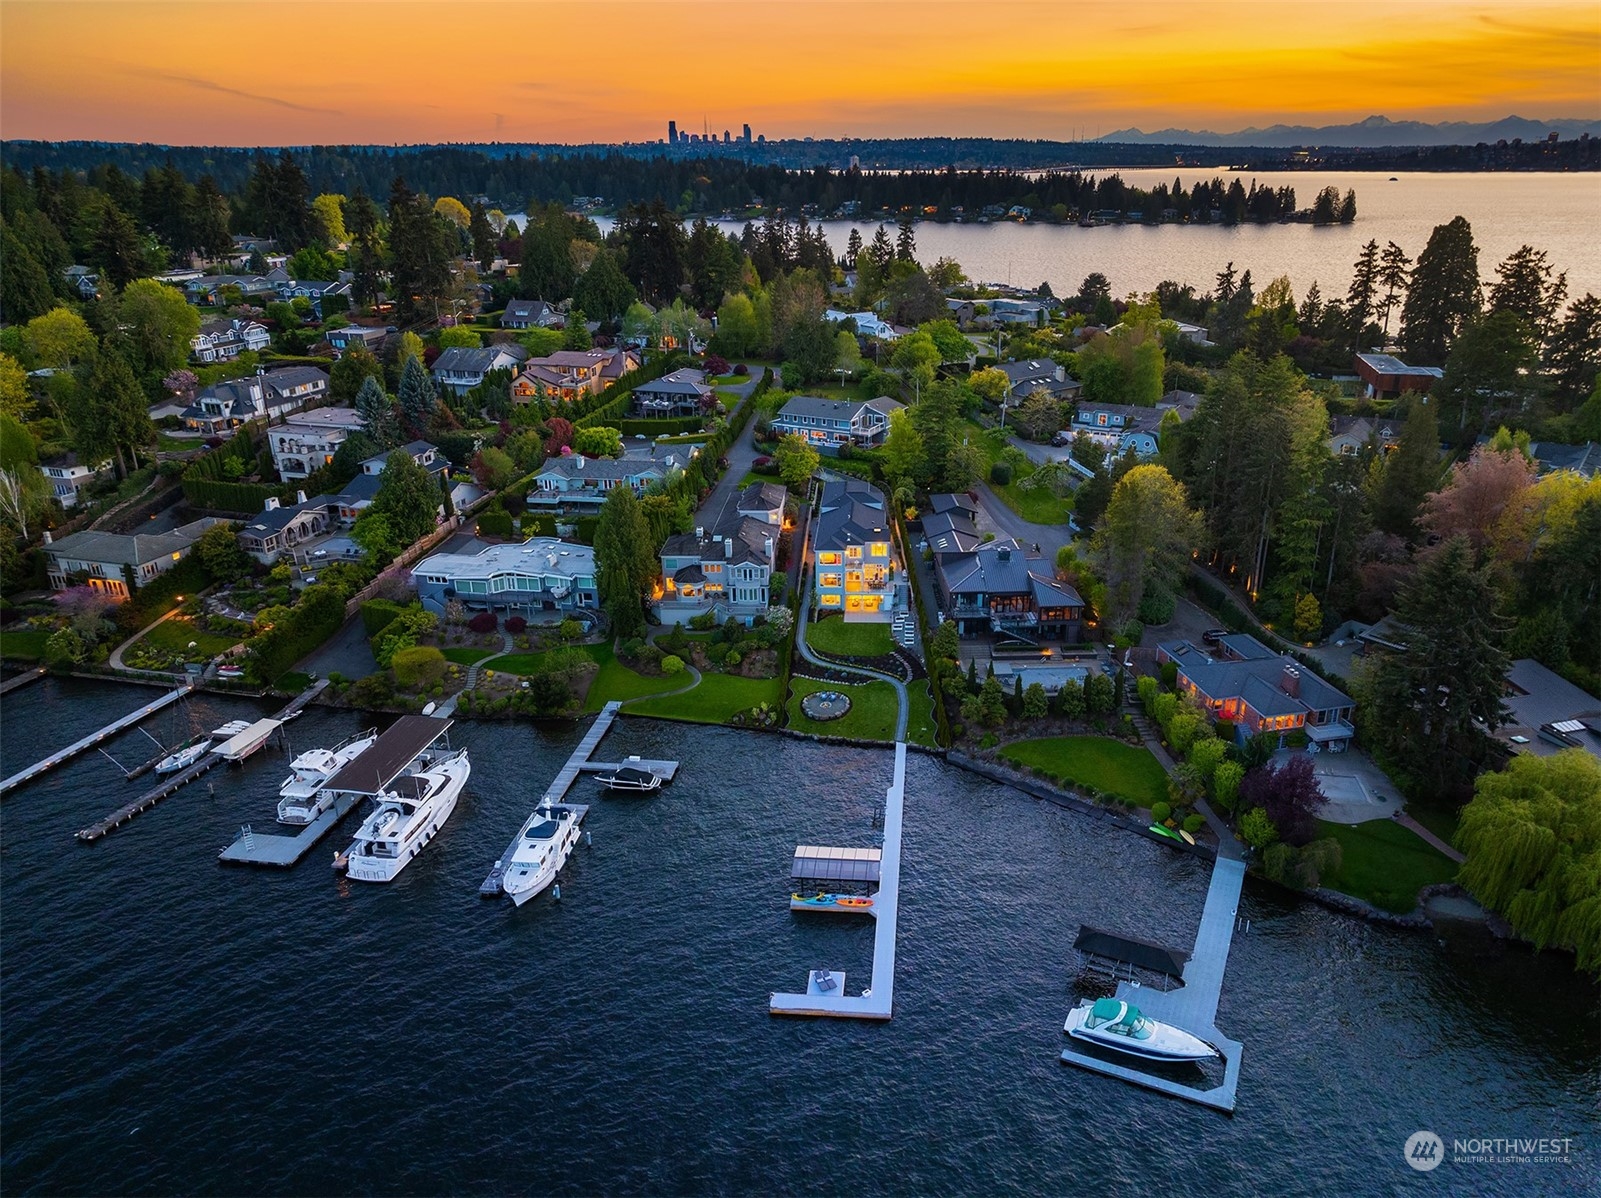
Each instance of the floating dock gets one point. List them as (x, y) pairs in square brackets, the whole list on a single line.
[(151, 797), (93, 739), (877, 1000), (1193, 1006), (21, 680), (492, 886), (384, 760)]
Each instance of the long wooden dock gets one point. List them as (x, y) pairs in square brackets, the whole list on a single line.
[(21, 680), (825, 988), (493, 884), (181, 779), (1192, 1006), (93, 739)]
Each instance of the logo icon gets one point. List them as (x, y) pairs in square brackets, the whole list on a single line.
[(1424, 1151)]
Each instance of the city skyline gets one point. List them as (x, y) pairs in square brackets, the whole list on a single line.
[(153, 72)]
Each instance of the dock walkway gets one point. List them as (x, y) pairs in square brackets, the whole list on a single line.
[(493, 884), (93, 739), (21, 680), (877, 999), (181, 779), (1192, 1006)]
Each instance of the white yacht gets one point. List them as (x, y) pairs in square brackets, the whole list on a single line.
[(543, 846), (301, 798), (407, 817), (1115, 1024)]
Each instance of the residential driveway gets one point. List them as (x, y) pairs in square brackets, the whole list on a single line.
[(723, 502), (1037, 453), (996, 517), (346, 653)]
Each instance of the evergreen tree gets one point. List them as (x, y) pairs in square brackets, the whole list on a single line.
[(1364, 286), (366, 250), (378, 410), (25, 291), (416, 398), (208, 219), (1574, 354), (1444, 293), (117, 250), (1525, 284), (906, 242), (122, 416), (483, 236), (625, 561), (1491, 369), (654, 250), (1410, 472), (853, 248), (603, 291), (1394, 270), (881, 251), (421, 246), (407, 499)]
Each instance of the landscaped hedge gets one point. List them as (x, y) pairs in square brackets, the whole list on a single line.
[(314, 618), (609, 414), (378, 614), (661, 426), (206, 484), (495, 521)]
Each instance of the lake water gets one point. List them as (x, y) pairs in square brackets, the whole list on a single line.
[(1558, 213), (168, 1025)]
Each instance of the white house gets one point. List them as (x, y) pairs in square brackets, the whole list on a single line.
[(67, 475), (578, 482), (542, 574), (868, 324), (225, 340), (307, 441), (117, 563)]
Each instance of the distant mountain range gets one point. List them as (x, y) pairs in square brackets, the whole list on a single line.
[(1373, 132)]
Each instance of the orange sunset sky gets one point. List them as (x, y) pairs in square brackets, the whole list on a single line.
[(353, 71)]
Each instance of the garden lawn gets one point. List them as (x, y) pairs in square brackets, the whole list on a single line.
[(1110, 766), (922, 728), (293, 682), (24, 644), (834, 636), (872, 716), (717, 699), (464, 656), (1384, 863), (1037, 507), (617, 681), (175, 634)]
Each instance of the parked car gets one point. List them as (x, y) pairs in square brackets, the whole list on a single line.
[(1213, 635)]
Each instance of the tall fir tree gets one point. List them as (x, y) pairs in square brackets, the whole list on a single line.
[(1411, 471), (1364, 288), (1394, 271), (1443, 295), (378, 410), (625, 561), (416, 398)]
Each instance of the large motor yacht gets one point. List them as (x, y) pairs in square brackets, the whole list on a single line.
[(301, 798), (408, 815), (543, 846)]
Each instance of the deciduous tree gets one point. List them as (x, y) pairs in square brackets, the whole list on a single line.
[(1145, 538)]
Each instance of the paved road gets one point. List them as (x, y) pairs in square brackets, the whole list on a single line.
[(1049, 537)]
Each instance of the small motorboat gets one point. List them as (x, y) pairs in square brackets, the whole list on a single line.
[(183, 758), (1115, 1024), (630, 777)]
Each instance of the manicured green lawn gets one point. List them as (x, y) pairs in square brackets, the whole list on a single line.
[(717, 699), (1384, 863), (23, 644), (834, 636), (921, 726), (872, 716), (1038, 506), (293, 682), (731, 380), (617, 681), (175, 634), (1440, 821), (1110, 766), (465, 657)]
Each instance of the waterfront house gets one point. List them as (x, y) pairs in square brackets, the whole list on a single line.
[(67, 476), (542, 575), (991, 590), (1018, 311), (854, 569), (1548, 713), (828, 424), (1387, 377), (530, 314), (423, 453), (1258, 690), (117, 564), (225, 340), (461, 369), (269, 395), (726, 570), (278, 529), (682, 393), (574, 482), (307, 441)]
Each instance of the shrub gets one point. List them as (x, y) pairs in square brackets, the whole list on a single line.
[(1258, 829), (484, 621), (672, 664), (1162, 709), (1170, 674), (1000, 474), (1276, 862), (732, 661), (1160, 812), (1182, 729), (703, 622), (515, 624), (419, 666), (378, 614), (1147, 689), (742, 370), (1194, 823), (1226, 784)]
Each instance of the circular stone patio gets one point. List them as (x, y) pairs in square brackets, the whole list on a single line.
[(823, 706)]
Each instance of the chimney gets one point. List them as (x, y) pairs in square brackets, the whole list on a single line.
[(272, 504), (48, 539), (728, 549), (700, 532), (1004, 553), (300, 497), (1291, 681), (769, 548), (579, 458)]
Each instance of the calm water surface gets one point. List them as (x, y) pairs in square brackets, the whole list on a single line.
[(170, 1025), (1558, 213)]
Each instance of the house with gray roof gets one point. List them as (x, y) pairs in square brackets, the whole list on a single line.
[(574, 482), (727, 570), (424, 453), (307, 441), (1548, 713), (461, 369), (1125, 427), (530, 314), (828, 424), (1351, 435), (543, 576), (993, 590), (1038, 374), (854, 566), (1258, 690), (764, 502), (115, 563), (67, 475), (264, 395), (680, 393), (366, 336), (1550, 457)]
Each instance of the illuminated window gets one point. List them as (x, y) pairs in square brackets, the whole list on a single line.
[(828, 559), (880, 548), (828, 580), (830, 601), (854, 552)]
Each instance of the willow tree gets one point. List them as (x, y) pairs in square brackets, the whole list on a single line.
[(1532, 835)]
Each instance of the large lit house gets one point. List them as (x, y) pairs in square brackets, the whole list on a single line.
[(67, 476), (991, 589), (570, 375), (266, 394), (1259, 690), (461, 369), (829, 423), (681, 393), (726, 570), (854, 570), (580, 483), (542, 574), (307, 441), (117, 563)]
